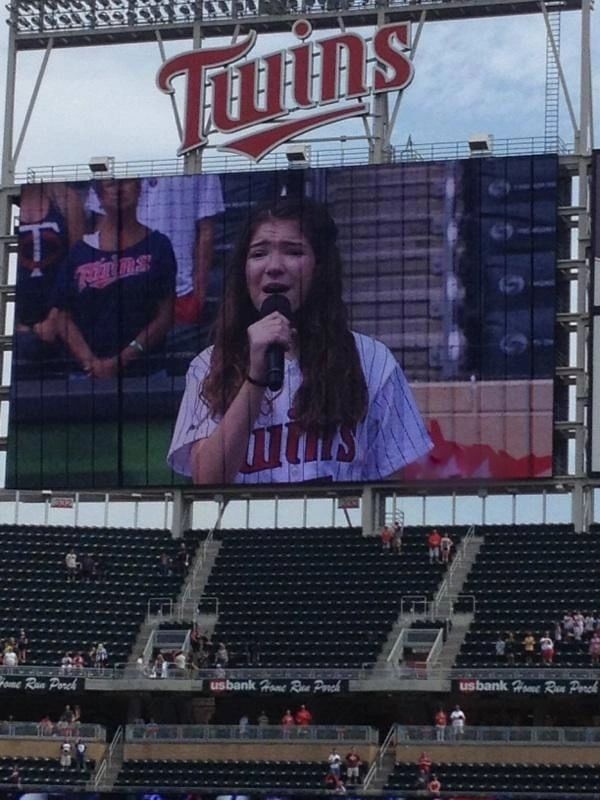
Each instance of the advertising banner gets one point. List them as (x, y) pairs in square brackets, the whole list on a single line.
[(40, 684), (276, 686), (560, 687), (348, 325)]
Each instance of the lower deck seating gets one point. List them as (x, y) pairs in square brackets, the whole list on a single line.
[(44, 771), (222, 774), (503, 777)]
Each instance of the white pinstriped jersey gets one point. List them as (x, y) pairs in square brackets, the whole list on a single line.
[(391, 436)]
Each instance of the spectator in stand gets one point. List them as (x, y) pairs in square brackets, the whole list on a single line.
[(433, 544), (45, 726), (65, 754), (65, 721), (66, 664), (500, 648), (510, 648), (80, 751), (529, 647), (10, 658), (458, 720), (180, 662), (101, 656), (159, 668), (263, 720), (387, 536), (578, 626), (287, 723), (334, 783), (441, 722), (547, 649), (303, 717), (594, 648), (221, 656), (243, 726), (567, 626), (434, 787), (558, 636), (71, 565), (421, 780), (182, 559), (14, 777), (424, 763), (22, 646), (446, 545), (353, 765), (334, 761), (164, 564), (78, 661), (88, 568), (397, 540), (151, 729)]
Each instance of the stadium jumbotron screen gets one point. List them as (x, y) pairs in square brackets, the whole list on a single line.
[(368, 323)]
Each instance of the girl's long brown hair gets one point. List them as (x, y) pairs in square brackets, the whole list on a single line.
[(334, 390)]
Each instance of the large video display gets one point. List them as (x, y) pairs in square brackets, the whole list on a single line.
[(352, 324)]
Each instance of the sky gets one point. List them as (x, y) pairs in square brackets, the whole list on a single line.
[(473, 77)]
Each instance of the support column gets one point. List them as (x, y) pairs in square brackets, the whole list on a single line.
[(182, 514), (367, 511)]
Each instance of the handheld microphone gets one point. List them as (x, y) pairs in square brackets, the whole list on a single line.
[(275, 352)]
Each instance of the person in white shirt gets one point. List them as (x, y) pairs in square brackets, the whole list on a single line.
[(335, 763), (458, 720)]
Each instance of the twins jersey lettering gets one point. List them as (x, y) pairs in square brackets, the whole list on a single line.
[(391, 436)]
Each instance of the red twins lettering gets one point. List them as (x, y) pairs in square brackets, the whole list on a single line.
[(260, 85)]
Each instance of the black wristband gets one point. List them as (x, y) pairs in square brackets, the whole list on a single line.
[(256, 383)]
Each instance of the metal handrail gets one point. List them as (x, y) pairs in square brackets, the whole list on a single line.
[(378, 760), (264, 733), (490, 735), (333, 156), (34, 730)]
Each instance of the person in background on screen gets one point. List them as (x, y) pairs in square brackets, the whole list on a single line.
[(345, 411), (115, 291), (51, 220), (183, 208)]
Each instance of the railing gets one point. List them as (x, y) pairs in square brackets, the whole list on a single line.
[(471, 734), (416, 605), (263, 733), (398, 648), (443, 606), (114, 758), (160, 607), (367, 671), (325, 157), (35, 730), (388, 742)]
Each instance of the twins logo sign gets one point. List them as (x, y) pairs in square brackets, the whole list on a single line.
[(285, 83)]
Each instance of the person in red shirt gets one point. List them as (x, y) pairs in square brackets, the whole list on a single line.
[(433, 542), (424, 763), (303, 716), (441, 721), (287, 723), (387, 537), (353, 765), (434, 787)]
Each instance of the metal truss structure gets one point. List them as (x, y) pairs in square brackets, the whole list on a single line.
[(49, 24)]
